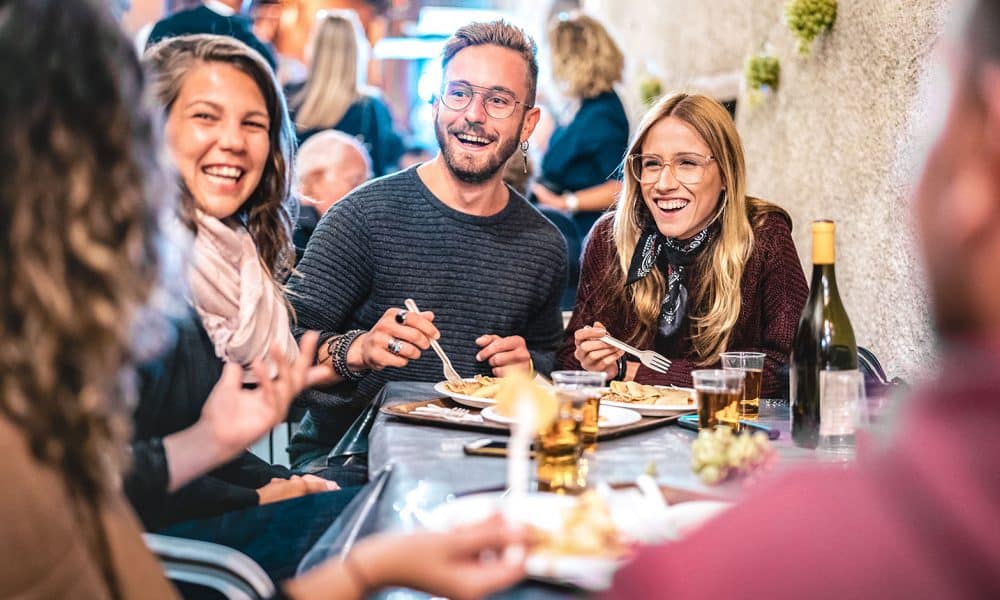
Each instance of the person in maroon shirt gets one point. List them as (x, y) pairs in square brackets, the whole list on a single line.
[(920, 519), (688, 264)]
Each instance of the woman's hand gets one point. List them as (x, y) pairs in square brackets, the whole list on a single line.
[(547, 197), (593, 354), (285, 489), (236, 416), (465, 563), (374, 348), (233, 417)]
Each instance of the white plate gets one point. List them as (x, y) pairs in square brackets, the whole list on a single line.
[(611, 416), (632, 514), (656, 410), (473, 401)]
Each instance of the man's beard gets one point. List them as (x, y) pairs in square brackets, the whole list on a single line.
[(494, 163)]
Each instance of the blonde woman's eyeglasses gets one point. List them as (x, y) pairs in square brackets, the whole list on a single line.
[(688, 168)]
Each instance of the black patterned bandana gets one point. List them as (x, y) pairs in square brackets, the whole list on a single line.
[(673, 257)]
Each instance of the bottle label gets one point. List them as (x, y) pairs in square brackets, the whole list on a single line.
[(840, 396)]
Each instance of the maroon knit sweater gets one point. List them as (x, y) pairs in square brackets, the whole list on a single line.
[(774, 292)]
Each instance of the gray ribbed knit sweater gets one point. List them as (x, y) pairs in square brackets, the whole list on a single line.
[(392, 239)]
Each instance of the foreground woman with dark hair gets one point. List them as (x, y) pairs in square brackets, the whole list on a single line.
[(80, 231)]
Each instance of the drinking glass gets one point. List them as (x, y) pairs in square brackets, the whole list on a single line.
[(841, 397), (562, 467), (720, 393), (584, 388), (751, 363)]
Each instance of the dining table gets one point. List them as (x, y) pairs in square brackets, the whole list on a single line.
[(414, 468)]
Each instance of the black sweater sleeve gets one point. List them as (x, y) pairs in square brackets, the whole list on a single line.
[(146, 487)]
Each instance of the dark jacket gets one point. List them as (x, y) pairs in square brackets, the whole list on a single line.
[(369, 120), (205, 20), (172, 391)]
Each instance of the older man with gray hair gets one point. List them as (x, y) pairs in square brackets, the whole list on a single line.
[(328, 166)]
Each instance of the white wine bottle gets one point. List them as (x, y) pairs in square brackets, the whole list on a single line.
[(823, 341)]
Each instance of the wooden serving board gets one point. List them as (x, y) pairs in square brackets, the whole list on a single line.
[(405, 412)]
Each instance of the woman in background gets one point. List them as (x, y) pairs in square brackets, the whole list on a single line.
[(334, 95), (688, 265), (82, 203), (580, 172)]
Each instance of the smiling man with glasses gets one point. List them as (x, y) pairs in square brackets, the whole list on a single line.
[(447, 233)]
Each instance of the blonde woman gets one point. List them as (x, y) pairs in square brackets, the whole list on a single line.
[(580, 170), (334, 95), (688, 264)]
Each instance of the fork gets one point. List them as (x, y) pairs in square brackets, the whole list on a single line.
[(653, 360), (449, 371)]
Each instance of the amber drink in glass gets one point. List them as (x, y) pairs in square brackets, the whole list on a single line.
[(720, 395), (751, 363)]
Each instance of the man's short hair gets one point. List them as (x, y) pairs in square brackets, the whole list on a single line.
[(496, 33)]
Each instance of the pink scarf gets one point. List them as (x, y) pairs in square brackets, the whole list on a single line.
[(240, 306)]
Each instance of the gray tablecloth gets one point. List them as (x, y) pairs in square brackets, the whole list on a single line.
[(429, 465)]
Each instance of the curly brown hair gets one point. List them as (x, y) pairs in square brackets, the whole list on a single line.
[(80, 203), (269, 213)]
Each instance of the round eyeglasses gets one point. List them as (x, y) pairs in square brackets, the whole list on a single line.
[(498, 103), (686, 168)]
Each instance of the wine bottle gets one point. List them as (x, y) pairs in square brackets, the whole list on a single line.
[(824, 339)]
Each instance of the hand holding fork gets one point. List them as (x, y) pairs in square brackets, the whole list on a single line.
[(598, 351)]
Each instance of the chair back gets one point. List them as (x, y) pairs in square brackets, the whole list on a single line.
[(206, 570)]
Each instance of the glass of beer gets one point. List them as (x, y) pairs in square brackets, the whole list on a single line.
[(562, 467), (584, 389), (751, 363), (720, 393)]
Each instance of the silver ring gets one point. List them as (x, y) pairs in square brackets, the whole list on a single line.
[(394, 345), (401, 316)]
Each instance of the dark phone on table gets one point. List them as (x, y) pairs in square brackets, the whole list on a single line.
[(487, 447)]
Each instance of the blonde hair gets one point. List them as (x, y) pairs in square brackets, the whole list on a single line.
[(586, 61), (716, 294), (336, 69)]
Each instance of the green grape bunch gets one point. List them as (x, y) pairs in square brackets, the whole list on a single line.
[(808, 18), (717, 455)]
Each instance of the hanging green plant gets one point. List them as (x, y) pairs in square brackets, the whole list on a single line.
[(650, 89), (807, 19), (762, 74)]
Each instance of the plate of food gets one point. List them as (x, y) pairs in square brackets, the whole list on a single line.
[(575, 538), (609, 416), (477, 392), (649, 400), (579, 540)]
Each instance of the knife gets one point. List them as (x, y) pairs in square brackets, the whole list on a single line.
[(691, 422)]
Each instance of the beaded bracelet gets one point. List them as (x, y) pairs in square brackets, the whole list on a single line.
[(337, 348)]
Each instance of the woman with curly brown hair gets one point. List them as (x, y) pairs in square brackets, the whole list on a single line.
[(81, 204), (688, 265), (81, 208)]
